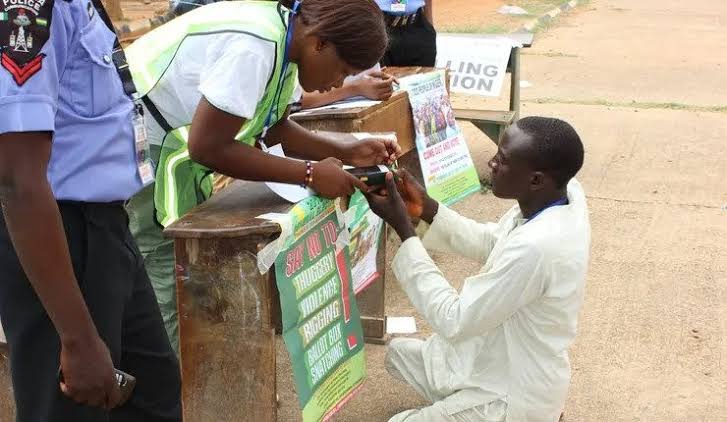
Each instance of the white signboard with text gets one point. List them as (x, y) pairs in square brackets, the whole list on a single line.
[(476, 65)]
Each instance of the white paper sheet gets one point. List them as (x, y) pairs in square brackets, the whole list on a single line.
[(341, 105), (291, 193), (400, 325)]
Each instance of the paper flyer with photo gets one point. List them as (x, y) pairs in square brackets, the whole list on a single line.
[(447, 167), (366, 229)]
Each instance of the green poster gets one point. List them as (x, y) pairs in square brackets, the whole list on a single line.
[(447, 167), (321, 322)]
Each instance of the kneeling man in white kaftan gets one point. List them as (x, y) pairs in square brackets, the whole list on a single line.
[(499, 352)]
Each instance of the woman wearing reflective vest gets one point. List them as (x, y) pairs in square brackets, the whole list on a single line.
[(217, 82)]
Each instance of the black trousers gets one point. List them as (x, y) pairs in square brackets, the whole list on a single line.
[(111, 276), (412, 45)]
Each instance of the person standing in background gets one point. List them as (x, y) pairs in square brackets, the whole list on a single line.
[(413, 37)]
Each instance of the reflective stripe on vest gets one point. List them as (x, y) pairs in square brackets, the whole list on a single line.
[(181, 184)]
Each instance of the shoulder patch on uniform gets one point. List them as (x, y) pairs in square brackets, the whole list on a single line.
[(24, 30)]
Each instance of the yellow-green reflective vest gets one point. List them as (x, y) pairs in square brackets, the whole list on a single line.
[(181, 183)]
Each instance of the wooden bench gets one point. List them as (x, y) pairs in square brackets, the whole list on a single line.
[(492, 123)]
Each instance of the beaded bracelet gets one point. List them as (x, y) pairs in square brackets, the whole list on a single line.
[(308, 174)]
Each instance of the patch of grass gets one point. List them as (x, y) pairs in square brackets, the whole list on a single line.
[(545, 6), (634, 104), (485, 186), (544, 25), (539, 7), (550, 54), (476, 29)]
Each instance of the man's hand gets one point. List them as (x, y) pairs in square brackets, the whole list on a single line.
[(88, 374), (418, 203), (371, 152), (375, 85), (388, 204)]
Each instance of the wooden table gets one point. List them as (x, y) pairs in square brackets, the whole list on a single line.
[(228, 311)]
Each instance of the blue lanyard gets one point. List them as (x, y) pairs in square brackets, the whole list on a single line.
[(563, 201), (281, 79)]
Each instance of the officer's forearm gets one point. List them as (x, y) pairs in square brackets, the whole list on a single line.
[(212, 143), (247, 163), (36, 231)]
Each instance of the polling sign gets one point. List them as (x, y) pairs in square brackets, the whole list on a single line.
[(476, 65)]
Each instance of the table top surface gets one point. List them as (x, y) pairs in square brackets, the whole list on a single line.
[(232, 212)]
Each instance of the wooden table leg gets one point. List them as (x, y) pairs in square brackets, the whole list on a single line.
[(372, 301), (226, 336), (515, 82)]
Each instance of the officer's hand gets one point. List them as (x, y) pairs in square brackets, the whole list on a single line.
[(331, 181), (88, 374)]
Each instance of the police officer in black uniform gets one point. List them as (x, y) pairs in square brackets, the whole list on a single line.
[(75, 301)]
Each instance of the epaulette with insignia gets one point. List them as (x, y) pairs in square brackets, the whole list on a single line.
[(24, 30)]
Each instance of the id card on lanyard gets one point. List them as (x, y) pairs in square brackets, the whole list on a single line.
[(398, 6), (281, 79), (144, 163)]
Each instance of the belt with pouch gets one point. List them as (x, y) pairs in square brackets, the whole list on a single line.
[(398, 21)]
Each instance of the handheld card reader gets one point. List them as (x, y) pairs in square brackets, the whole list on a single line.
[(372, 176)]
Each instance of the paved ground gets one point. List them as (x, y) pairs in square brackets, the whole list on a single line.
[(653, 330)]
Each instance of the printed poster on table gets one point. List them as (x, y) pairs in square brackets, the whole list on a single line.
[(447, 167), (365, 228), (321, 322)]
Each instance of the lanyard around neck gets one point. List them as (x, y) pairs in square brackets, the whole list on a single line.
[(562, 201), (281, 78)]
